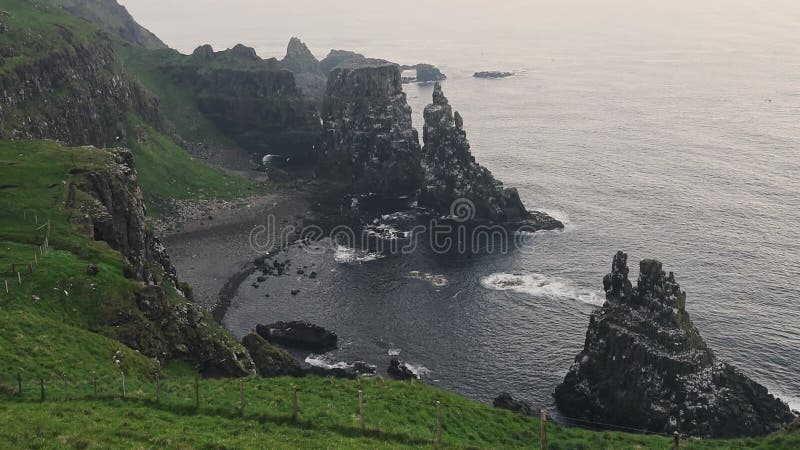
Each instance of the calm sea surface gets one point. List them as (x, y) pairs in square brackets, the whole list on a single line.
[(667, 131)]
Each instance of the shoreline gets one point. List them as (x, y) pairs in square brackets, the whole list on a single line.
[(209, 240)]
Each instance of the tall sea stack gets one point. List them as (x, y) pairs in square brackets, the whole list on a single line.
[(451, 173), (645, 366), (369, 142)]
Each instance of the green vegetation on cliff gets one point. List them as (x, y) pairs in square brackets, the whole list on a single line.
[(166, 171)]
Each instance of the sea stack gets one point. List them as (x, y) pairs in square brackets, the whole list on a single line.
[(369, 142), (645, 366), (452, 174)]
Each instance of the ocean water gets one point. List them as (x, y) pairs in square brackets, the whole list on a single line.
[(669, 131)]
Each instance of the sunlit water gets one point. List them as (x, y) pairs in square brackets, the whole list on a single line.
[(670, 132)]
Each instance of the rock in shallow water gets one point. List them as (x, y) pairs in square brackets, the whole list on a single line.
[(645, 365), (506, 401), (400, 370), (299, 334)]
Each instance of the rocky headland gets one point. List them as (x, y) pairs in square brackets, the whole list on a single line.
[(645, 366)]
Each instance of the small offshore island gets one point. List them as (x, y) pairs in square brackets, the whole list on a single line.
[(133, 176)]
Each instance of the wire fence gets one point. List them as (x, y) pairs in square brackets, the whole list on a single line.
[(20, 270), (364, 407)]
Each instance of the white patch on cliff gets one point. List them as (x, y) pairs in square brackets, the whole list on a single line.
[(539, 285)]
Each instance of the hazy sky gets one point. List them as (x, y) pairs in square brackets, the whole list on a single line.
[(184, 24)]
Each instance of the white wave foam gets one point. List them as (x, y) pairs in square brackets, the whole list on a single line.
[(540, 285), (435, 280), (419, 371), (347, 255), (394, 351), (322, 361)]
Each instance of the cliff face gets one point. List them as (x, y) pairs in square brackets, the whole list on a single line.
[(451, 173), (250, 100), (77, 93), (112, 17), (369, 141), (644, 365), (159, 322)]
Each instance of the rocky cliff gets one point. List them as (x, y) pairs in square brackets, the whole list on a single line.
[(452, 173), (306, 68), (160, 322), (253, 102), (644, 365), (76, 92), (112, 17), (369, 141)]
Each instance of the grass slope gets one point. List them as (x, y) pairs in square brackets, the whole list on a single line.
[(166, 171)]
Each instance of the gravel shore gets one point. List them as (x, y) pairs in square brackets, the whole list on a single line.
[(209, 240)]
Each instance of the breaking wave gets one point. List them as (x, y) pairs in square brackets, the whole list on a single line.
[(539, 285), (347, 255)]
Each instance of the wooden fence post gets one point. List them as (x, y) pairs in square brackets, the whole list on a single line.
[(43, 392), (438, 437), (19, 382), (122, 374), (361, 418), (19, 278), (543, 430), (196, 392), (241, 398), (30, 268), (6, 282), (158, 389), (295, 409), (676, 441)]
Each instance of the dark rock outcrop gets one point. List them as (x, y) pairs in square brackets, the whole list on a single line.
[(270, 361), (645, 366), (426, 73), (369, 142), (400, 370), (299, 58), (298, 334), (506, 401), (346, 59), (452, 175), (112, 17), (306, 68)]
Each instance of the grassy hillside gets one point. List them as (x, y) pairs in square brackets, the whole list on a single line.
[(110, 16), (166, 171)]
